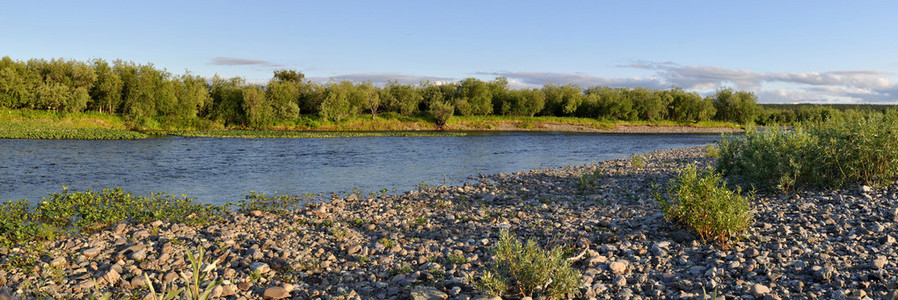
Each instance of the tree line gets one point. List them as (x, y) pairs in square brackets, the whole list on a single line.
[(143, 91)]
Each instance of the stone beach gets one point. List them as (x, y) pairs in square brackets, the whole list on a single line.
[(427, 244)]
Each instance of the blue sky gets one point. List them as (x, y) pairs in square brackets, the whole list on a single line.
[(785, 51)]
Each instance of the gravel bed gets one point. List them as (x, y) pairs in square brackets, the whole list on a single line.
[(426, 244)]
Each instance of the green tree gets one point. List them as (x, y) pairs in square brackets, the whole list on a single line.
[(336, 105), (477, 97), (735, 106), (15, 90), (648, 104), (403, 98), (371, 96), (227, 100), (107, 89), (441, 111), (193, 96), (284, 97), (532, 102), (259, 112), (562, 100)]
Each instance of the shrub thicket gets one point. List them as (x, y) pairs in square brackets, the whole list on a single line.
[(860, 149), (700, 200)]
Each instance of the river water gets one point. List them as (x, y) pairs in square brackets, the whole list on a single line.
[(220, 170)]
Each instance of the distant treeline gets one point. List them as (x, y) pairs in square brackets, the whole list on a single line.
[(142, 91)]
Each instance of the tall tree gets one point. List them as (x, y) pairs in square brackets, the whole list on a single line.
[(477, 97)]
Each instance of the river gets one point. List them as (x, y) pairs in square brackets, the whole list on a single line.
[(220, 170)]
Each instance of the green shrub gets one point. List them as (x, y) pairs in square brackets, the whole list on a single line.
[(277, 204), (702, 201), (637, 161), (773, 159), (527, 269), (860, 149)]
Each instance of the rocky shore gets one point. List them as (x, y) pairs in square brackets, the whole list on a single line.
[(427, 244)]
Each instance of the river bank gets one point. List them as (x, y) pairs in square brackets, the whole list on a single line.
[(33, 124), (813, 245)]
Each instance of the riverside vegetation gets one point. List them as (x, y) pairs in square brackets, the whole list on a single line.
[(142, 97), (596, 231)]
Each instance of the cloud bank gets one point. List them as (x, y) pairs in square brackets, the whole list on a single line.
[(384, 79), (862, 86), (233, 61), (852, 86)]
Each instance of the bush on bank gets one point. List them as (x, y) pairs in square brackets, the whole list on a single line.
[(860, 149)]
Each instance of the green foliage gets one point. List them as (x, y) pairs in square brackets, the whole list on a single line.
[(143, 92), (441, 111), (637, 161), (477, 97), (85, 212), (277, 204), (192, 285), (528, 270), (402, 98), (735, 106), (860, 149), (701, 201), (299, 134), (198, 276)]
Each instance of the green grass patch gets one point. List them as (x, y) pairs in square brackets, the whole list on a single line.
[(301, 134), (37, 124)]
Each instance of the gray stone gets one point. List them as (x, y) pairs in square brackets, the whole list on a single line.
[(620, 281), (879, 263), (618, 267), (5, 294), (91, 252), (143, 234), (139, 255), (58, 262), (138, 281), (427, 293), (759, 290), (259, 267)]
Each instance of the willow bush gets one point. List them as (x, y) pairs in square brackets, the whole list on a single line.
[(700, 200)]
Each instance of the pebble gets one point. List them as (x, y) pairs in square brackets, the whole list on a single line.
[(275, 292)]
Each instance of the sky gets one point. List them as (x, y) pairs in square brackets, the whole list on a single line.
[(783, 51)]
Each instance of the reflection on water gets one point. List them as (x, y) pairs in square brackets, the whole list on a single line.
[(218, 170)]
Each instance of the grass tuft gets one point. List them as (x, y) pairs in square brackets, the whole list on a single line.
[(528, 270)]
